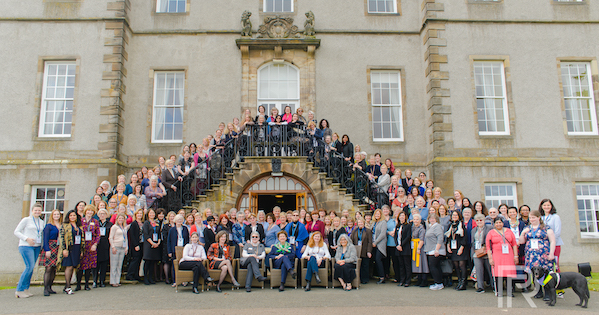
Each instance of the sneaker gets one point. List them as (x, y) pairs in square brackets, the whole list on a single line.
[(479, 290), (436, 287), (560, 295)]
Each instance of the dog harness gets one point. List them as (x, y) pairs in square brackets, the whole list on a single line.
[(550, 276)]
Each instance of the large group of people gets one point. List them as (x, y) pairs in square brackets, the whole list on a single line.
[(419, 233)]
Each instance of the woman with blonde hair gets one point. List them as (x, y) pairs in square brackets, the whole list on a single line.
[(50, 250), (118, 248), (29, 231), (316, 252), (379, 241)]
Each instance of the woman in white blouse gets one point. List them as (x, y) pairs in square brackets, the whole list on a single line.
[(316, 252), (193, 255), (29, 231), (118, 248)]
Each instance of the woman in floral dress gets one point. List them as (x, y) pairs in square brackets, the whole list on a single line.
[(91, 238)]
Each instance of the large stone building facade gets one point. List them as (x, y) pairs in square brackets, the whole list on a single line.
[(495, 98)]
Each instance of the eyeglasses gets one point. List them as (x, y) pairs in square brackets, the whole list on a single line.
[(254, 236)]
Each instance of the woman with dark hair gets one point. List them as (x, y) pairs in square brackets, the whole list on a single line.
[(480, 208), (502, 251), (71, 237), (403, 240), (466, 203), (151, 253), (553, 221), (324, 126), (315, 224), (346, 148), (135, 239), (219, 255), (261, 112), (50, 250), (457, 248), (523, 212)]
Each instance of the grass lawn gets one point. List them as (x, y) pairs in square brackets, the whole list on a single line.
[(4, 288), (594, 282)]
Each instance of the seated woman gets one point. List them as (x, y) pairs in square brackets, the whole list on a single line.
[(219, 255), (283, 257), (345, 262), (316, 252), (193, 255), (253, 252)]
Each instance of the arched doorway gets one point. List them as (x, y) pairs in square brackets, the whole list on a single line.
[(265, 192)]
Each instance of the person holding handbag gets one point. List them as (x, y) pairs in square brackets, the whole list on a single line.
[(479, 251)]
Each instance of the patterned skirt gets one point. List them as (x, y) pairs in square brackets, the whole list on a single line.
[(50, 262)]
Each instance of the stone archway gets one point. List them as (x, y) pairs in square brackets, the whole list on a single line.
[(229, 191)]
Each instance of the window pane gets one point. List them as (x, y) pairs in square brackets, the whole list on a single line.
[(59, 86), (168, 106)]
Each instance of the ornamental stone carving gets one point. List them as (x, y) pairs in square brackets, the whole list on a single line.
[(278, 27), (309, 24), (246, 24)]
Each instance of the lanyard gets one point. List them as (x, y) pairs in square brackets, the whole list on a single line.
[(123, 231), (360, 235), (38, 226), (502, 236), (294, 229)]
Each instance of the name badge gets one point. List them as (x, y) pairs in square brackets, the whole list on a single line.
[(102, 231), (359, 243), (477, 245), (454, 244), (38, 239), (412, 245), (180, 242), (505, 249), (155, 237), (88, 236), (392, 196), (534, 244), (292, 240), (230, 236), (77, 239)]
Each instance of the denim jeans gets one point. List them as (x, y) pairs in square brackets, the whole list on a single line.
[(30, 255)]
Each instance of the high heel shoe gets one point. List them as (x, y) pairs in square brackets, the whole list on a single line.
[(236, 284), (382, 280), (218, 288), (317, 277)]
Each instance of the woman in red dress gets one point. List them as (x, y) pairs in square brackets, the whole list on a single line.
[(502, 251)]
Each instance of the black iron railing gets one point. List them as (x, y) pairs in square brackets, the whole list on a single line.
[(275, 141)]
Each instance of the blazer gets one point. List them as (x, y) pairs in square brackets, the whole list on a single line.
[(406, 240), (103, 249), (259, 228), (213, 252), (173, 237), (209, 237), (380, 237), (351, 257), (366, 241), (333, 236), (168, 180), (134, 237)]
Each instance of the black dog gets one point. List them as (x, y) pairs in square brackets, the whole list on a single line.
[(563, 280)]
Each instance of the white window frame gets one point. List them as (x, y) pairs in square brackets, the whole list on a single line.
[(590, 199), (382, 12), (46, 211), (161, 3), (590, 99), (399, 105), (282, 5), (279, 103), (46, 99), (506, 118), (491, 199), (181, 107)]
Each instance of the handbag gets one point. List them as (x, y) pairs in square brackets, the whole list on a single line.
[(446, 267)]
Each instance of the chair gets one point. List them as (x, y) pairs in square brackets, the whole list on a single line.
[(183, 275), (322, 272), (275, 276), (215, 273), (356, 282), (242, 274)]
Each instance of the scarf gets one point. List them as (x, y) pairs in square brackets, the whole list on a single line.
[(283, 248), (456, 228)]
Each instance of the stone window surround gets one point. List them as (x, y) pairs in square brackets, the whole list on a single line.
[(155, 6), (594, 79), (283, 14), (571, 2), (485, 1), (397, 11), (506, 180), (27, 190), (508, 87), (41, 65), (576, 217), (402, 76), (150, 113)]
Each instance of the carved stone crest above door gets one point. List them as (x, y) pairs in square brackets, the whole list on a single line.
[(278, 27)]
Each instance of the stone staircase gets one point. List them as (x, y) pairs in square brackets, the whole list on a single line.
[(222, 196)]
